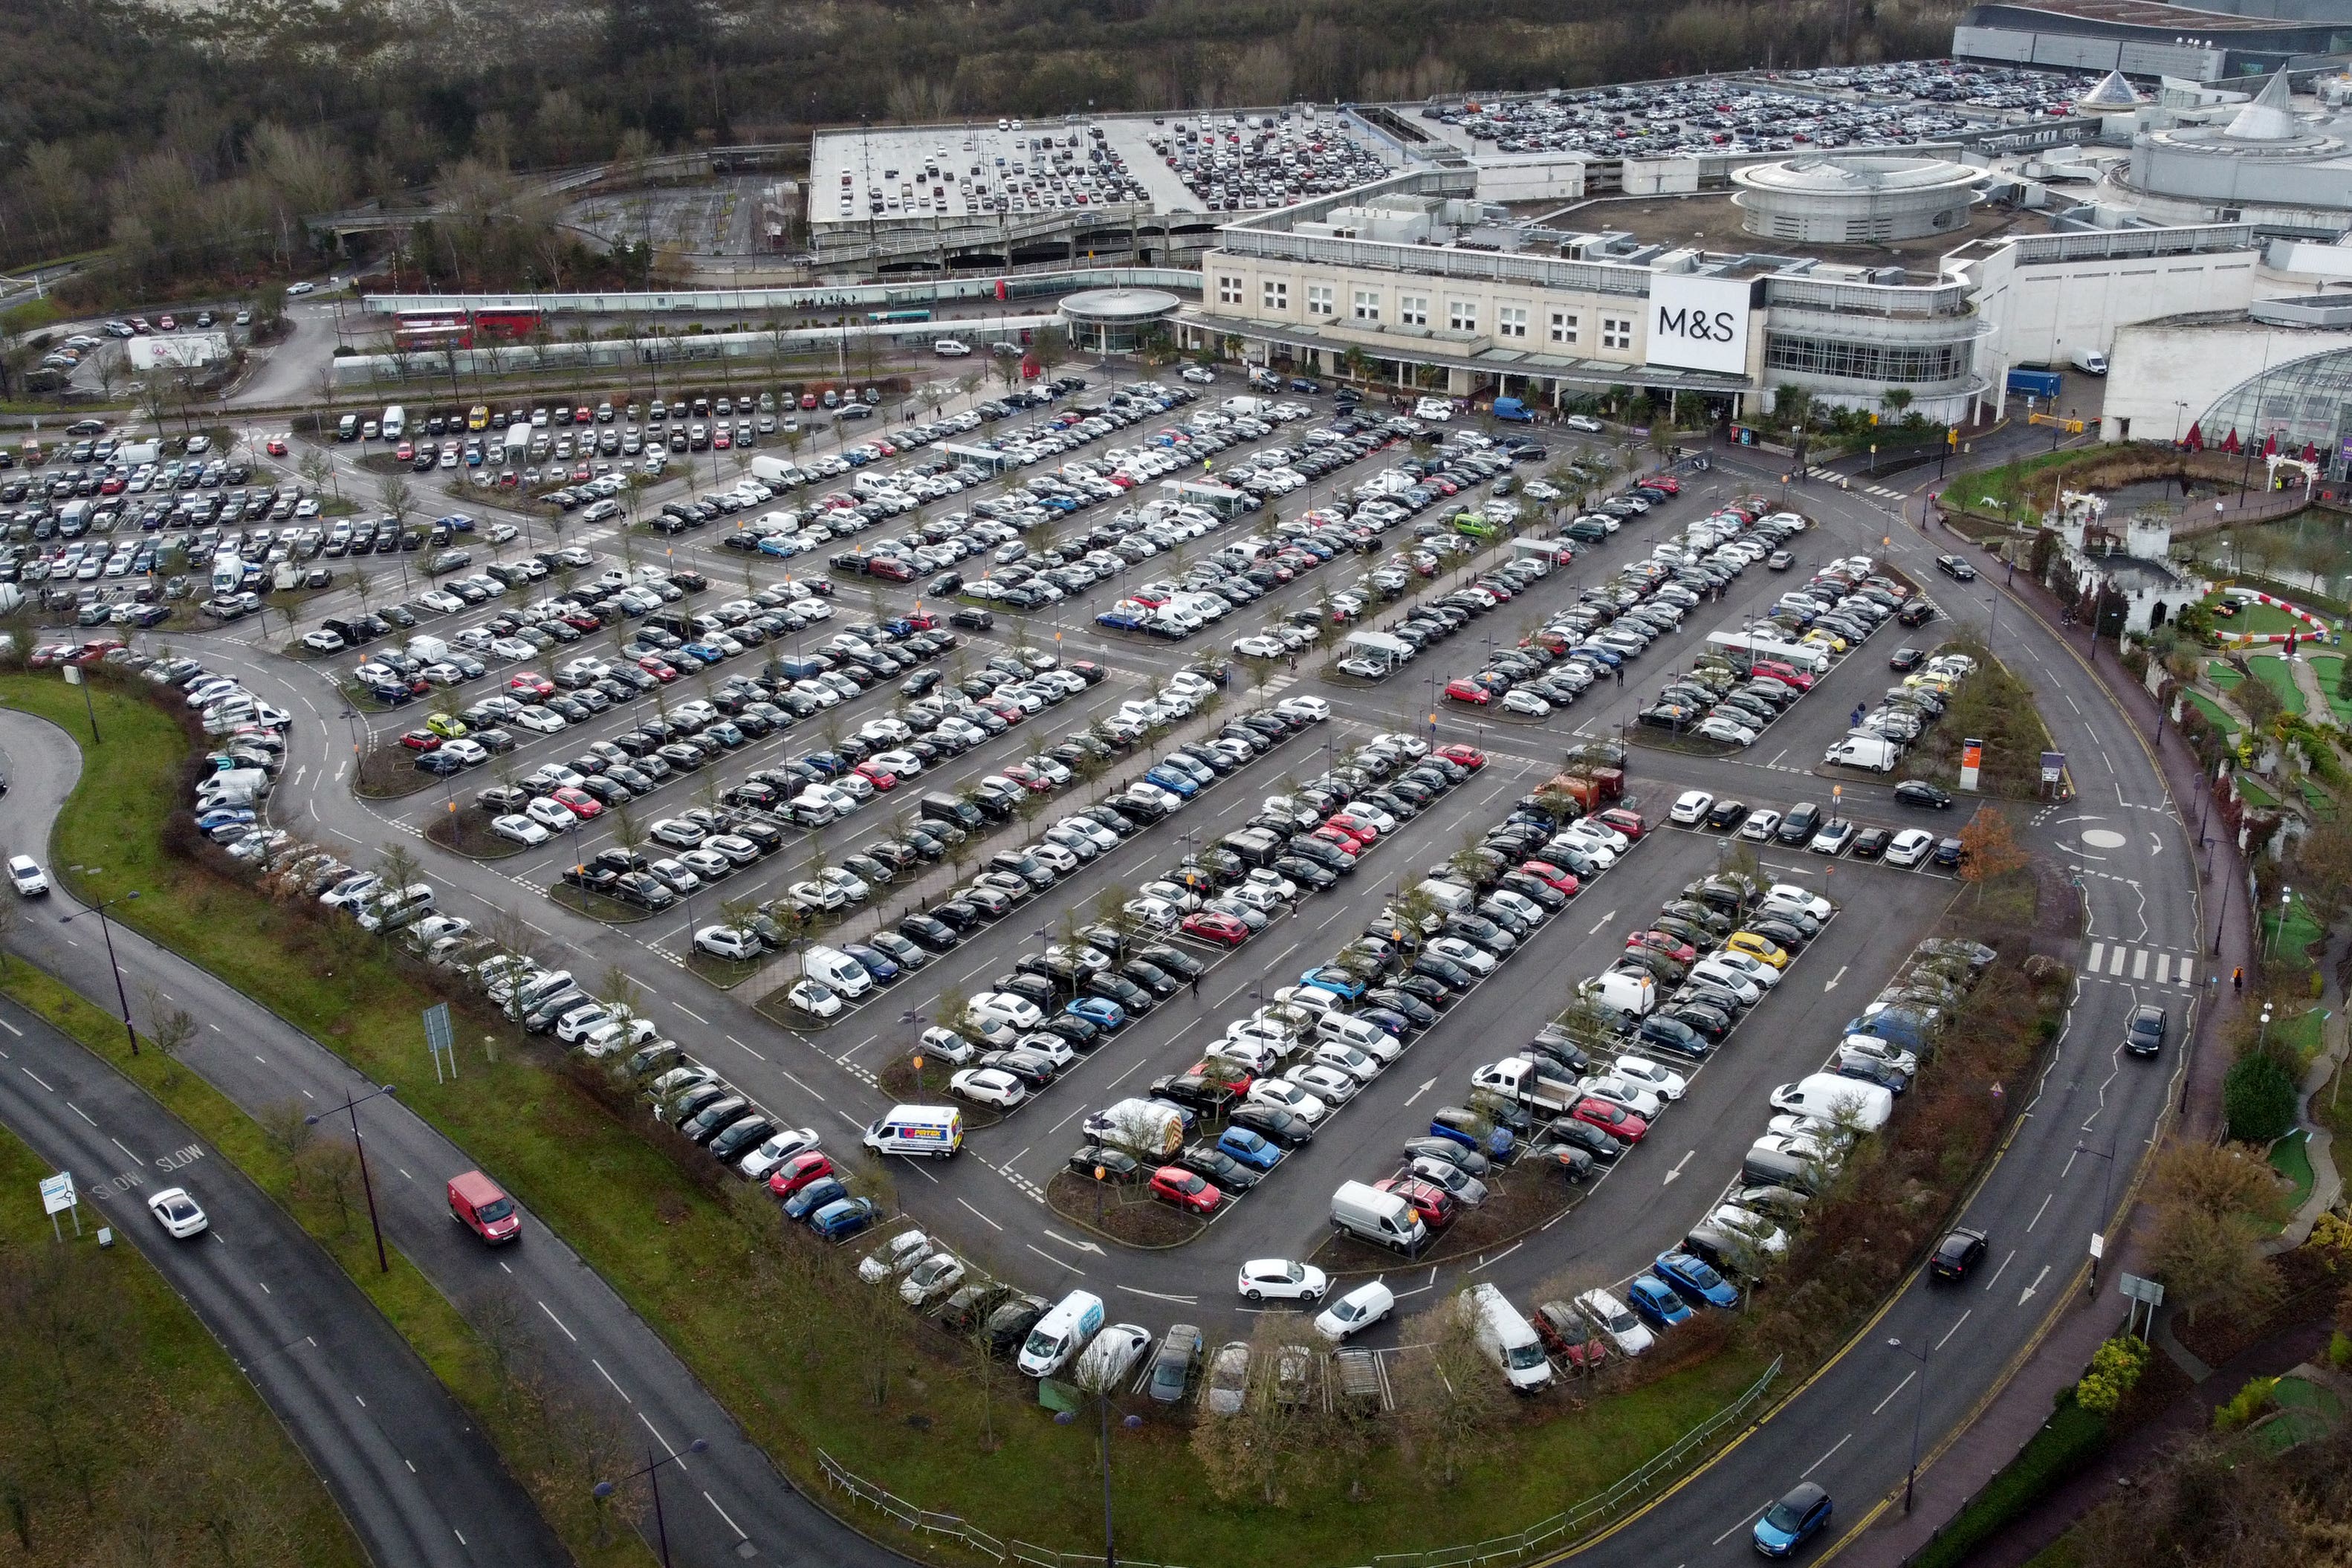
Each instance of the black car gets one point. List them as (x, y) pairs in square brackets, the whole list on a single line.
[(1229, 1174), (1149, 976), (1415, 1011), (968, 1308), (1870, 843), (1702, 1017), (1444, 970), (1727, 815), (1906, 660), (1665, 1034), (1952, 567), (1916, 792), (1957, 1254), (1273, 1123), (1461, 1156), (1113, 1165), (1918, 613), (2144, 1034), (1948, 852), (1009, 1325), (1569, 1132), (931, 934), (1800, 825), (1176, 961)]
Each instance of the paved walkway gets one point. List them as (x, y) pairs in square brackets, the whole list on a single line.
[(2326, 1181), (2314, 699)]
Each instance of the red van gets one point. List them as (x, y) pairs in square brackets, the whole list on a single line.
[(475, 1203)]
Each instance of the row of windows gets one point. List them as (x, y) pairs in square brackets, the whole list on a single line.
[(1868, 361), (1513, 321)]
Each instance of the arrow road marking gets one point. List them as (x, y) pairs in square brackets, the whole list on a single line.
[(1677, 1171), (1081, 1245), (2027, 1294), (1832, 983), (1603, 920), (1424, 1088)]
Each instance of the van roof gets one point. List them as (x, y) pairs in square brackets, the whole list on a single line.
[(476, 1188)]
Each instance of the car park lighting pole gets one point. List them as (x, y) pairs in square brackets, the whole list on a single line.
[(350, 1109), (1131, 1422), (2106, 1188), (120, 995), (1912, 1475), (652, 1472)]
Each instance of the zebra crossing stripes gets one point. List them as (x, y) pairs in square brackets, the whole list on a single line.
[(2117, 962)]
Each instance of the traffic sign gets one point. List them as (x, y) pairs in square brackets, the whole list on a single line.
[(57, 1192)]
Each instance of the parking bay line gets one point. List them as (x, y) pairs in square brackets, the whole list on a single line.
[(1160, 1296), (978, 1215), (1053, 1260)]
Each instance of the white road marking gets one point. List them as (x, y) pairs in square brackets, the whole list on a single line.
[(1824, 1459), (558, 1323), (991, 1224), (1954, 1328), (1895, 1390)]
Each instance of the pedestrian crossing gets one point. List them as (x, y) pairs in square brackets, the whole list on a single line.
[(2116, 961)]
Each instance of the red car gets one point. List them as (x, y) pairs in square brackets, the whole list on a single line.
[(531, 684), (1628, 823), (1432, 1202), (1468, 691), (1225, 930), (1551, 876), (1196, 1195), (1233, 1075), (579, 803), (921, 620), (1615, 1119), (659, 669), (1029, 778), (1666, 482), (421, 740), (1659, 942), (274, 446), (1469, 757), (881, 778), (405, 452), (1357, 831), (798, 1171), (1339, 839)]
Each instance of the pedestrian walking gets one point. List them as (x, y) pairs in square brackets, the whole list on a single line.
[(2238, 981), (1620, 675), (1196, 985)]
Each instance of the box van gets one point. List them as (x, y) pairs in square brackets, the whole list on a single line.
[(1630, 996), (1148, 1129), (1829, 1098), (1451, 898), (395, 423), (347, 428), (1377, 1216), (1362, 1033), (936, 807), (1508, 1339), (475, 1203), (1876, 753), (1060, 1334), (935, 1131), (838, 970)]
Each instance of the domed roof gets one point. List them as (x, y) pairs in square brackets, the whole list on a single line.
[(1857, 176), (2112, 93), (2267, 118)]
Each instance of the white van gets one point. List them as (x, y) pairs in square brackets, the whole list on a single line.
[(1876, 753), (1828, 1097), (1508, 1339), (934, 1130), (1362, 1033), (2090, 362), (1451, 898), (838, 970), (1365, 1212), (1148, 1129), (1061, 1333), (395, 423)]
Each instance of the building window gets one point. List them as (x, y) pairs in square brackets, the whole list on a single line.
[(1273, 293), (1461, 315), (1319, 299), (1510, 322), (1413, 310), (1229, 289), (1616, 332), (1367, 304), (1563, 326), (1868, 361)]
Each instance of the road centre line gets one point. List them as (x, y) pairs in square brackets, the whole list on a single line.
[(1741, 1520), (1895, 1390), (1824, 1459), (991, 1224), (559, 1323), (1954, 1328)]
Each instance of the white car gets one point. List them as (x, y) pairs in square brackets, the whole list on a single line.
[(519, 828), (1357, 1311), (988, 1086), (1261, 647), (895, 1256), (1752, 1227), (1003, 1007), (1691, 808), (1197, 375), (727, 941), (1289, 1096), (1110, 1358), (1280, 1280), (27, 877), (1474, 959), (1761, 825), (1616, 1321), (177, 1213), (814, 998), (931, 1279), (1619, 1092), (1312, 709), (1660, 1081), (1526, 703), (1334, 1086), (1584, 422), (1910, 846), (948, 348), (1728, 730), (550, 813), (778, 1149)]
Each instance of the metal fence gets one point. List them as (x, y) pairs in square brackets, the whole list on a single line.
[(920, 1520), (1556, 1530), (1579, 1518)]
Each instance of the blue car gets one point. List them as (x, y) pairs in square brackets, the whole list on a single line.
[(777, 544), (843, 1218), (221, 816), (876, 964), (812, 1197), (1249, 1148), (708, 653), (1593, 650), (1332, 978), (1396, 1024), (1120, 621), (1181, 784), (1655, 1302), (1697, 1280), (1101, 1012), (1793, 1521)]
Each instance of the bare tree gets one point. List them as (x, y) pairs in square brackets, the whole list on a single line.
[(171, 1029), (1449, 1395)]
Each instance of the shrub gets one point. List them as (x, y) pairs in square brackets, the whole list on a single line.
[(2259, 1100), (2115, 1372), (2245, 1405)]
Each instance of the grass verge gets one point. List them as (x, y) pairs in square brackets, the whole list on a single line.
[(2071, 1438), (802, 1351), (126, 1432)]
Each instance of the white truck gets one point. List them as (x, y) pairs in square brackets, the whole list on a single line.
[(1524, 1081)]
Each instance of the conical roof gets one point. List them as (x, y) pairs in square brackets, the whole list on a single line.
[(2113, 92), (2267, 118)]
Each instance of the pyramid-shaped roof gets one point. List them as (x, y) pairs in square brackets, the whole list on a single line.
[(2267, 118), (2113, 92)]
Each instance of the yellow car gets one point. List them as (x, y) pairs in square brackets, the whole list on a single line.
[(448, 726), (1828, 640), (1761, 948)]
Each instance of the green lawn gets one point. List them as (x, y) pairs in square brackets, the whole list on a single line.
[(2329, 668), (1989, 490), (2278, 675), (2253, 620), (124, 1425), (2221, 675), (2255, 795), (2222, 723), (2304, 1032), (2285, 946), (2291, 1158), (767, 1318)]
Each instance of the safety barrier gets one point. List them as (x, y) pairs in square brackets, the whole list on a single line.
[(920, 1519)]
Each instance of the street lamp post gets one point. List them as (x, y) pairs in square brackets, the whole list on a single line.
[(2107, 1196), (108, 931), (652, 1472), (1131, 1422), (1911, 1477), (350, 1109)]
